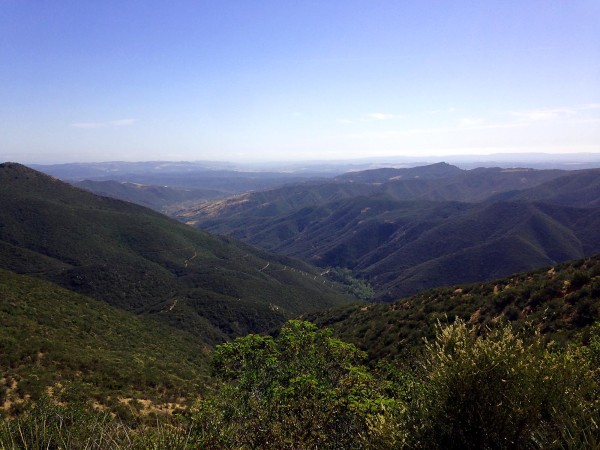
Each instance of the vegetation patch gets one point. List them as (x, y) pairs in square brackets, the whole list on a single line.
[(73, 348), (469, 388)]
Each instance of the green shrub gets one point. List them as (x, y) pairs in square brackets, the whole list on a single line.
[(498, 391), (303, 389)]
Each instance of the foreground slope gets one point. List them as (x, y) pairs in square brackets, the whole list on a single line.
[(562, 301), (141, 261), (77, 348)]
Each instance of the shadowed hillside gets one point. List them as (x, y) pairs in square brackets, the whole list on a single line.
[(405, 231), (143, 262), (562, 301), (581, 189)]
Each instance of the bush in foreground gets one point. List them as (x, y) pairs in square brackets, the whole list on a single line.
[(305, 389), (500, 391)]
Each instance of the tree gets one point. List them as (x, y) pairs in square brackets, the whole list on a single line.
[(302, 389)]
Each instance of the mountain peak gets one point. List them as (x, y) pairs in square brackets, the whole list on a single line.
[(13, 166), (16, 169)]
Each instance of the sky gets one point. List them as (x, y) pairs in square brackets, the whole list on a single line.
[(276, 80)]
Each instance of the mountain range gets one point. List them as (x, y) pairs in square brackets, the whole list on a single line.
[(159, 198), (224, 178), (105, 301), (406, 230)]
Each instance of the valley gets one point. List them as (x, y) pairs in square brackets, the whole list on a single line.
[(115, 310), (300, 225), (406, 230), (142, 261)]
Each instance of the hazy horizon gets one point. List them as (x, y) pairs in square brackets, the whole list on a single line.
[(297, 81), (505, 160)]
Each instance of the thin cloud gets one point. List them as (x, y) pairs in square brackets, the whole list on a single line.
[(593, 121), (88, 125), (122, 122), (554, 113), (461, 128), (382, 116), (468, 122), (371, 117), (590, 106), (95, 125), (543, 114), (452, 109)]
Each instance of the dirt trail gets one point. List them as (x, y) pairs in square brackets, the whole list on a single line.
[(187, 261)]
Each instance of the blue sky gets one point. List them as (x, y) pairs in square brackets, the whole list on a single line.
[(291, 80)]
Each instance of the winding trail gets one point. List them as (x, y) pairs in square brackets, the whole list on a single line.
[(187, 261)]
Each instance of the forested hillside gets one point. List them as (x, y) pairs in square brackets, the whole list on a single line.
[(78, 349), (562, 302), (122, 328), (143, 262), (493, 379), (406, 230)]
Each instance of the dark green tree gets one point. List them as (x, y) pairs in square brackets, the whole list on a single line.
[(302, 389)]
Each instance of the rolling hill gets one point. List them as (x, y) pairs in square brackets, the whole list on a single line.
[(560, 301), (437, 182), (203, 175), (413, 233), (431, 171), (155, 197), (580, 189), (143, 262)]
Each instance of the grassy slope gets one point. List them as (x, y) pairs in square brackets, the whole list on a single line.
[(83, 348), (155, 197), (561, 300), (141, 261)]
